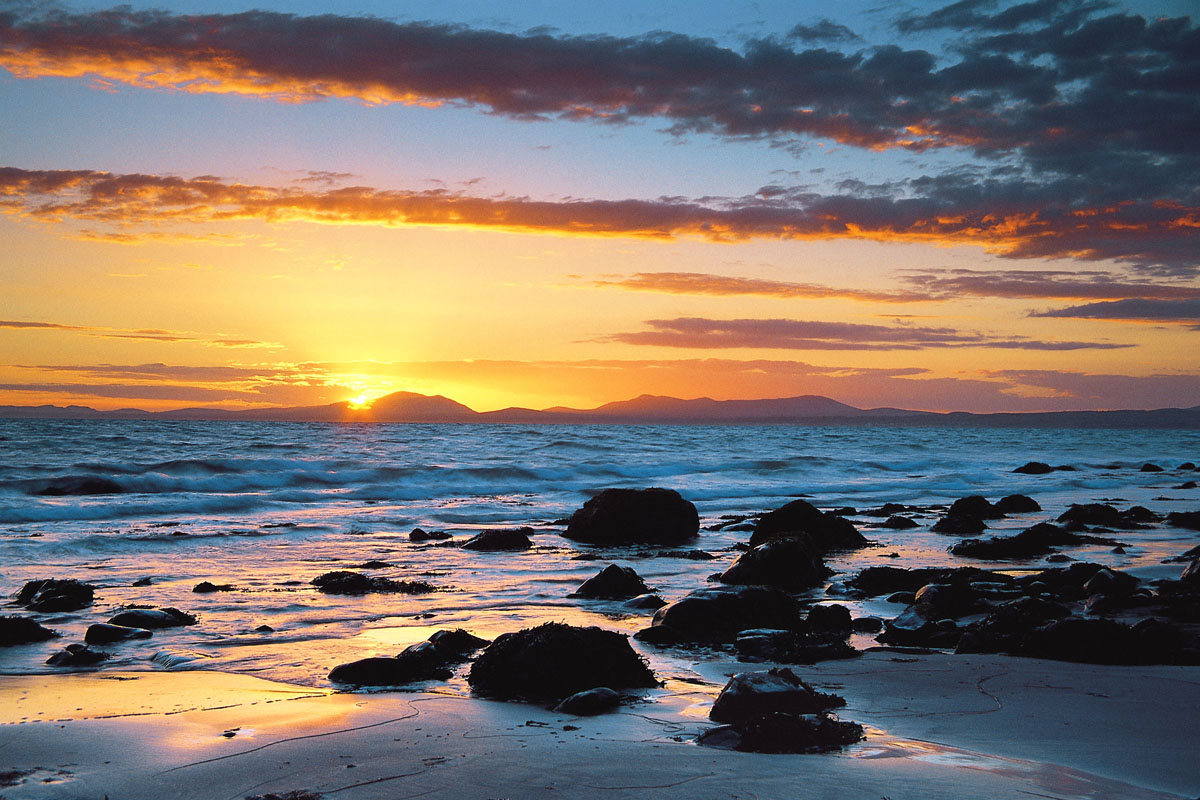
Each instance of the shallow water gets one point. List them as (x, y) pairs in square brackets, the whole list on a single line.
[(269, 506)]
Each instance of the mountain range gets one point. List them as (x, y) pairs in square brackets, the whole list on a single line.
[(647, 409)]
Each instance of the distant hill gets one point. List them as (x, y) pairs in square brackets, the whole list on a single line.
[(646, 409)]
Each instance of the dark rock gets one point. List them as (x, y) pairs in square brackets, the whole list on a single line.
[(906, 598), (264, 629), (792, 647), (974, 506), (887, 510), (749, 694), (103, 633), (142, 582), (77, 655), (1063, 558), (650, 602), (78, 485), (204, 587), (419, 535), (875, 581), (919, 626), (1068, 583), (961, 524), (22, 630), (418, 662), (690, 555), (1030, 543), (295, 794), (867, 625), (613, 582), (778, 732), (634, 516), (53, 594), (500, 539), (345, 582), (1091, 641), (1106, 581), (1007, 627), (898, 523), (831, 618), (553, 661), (590, 702), (1035, 468), (1148, 467), (1184, 557), (153, 618), (1185, 519), (457, 644), (791, 563), (826, 531), (1187, 485), (373, 564), (1191, 573), (1017, 504), (1187, 465), (1107, 516), (719, 613)]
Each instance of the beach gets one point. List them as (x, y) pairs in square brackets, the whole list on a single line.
[(240, 704)]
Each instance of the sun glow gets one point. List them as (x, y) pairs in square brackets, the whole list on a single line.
[(360, 401)]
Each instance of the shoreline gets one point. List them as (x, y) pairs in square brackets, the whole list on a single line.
[(938, 726)]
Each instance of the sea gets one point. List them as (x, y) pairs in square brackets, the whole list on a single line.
[(266, 507)]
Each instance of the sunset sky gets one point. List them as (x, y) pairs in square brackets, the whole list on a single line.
[(981, 206)]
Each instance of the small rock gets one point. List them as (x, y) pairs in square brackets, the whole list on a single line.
[(1017, 504), (153, 618), (16, 630), (204, 587), (77, 655), (779, 732), (898, 523), (647, 602), (103, 633), (53, 594), (419, 535), (346, 582), (1034, 468), (613, 582), (749, 694), (1148, 467), (590, 702), (497, 540)]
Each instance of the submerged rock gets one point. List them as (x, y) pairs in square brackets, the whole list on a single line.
[(16, 630), (898, 523), (77, 655), (346, 582), (1035, 468), (554, 660), (874, 581), (749, 694), (718, 614), (419, 535), (53, 594), (206, 587), (614, 583), (961, 524), (79, 485), (634, 516), (793, 563), (457, 644), (826, 531), (151, 618), (419, 662), (779, 732), (1017, 504), (103, 633), (500, 539), (1106, 516), (1185, 519), (590, 702), (1039, 540)]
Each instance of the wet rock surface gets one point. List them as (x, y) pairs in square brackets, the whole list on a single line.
[(613, 582), (792, 647), (749, 694), (793, 563), (589, 703), (634, 516), (152, 618), (77, 655), (826, 531), (500, 539), (1039, 540), (554, 661), (346, 582), (104, 633), (718, 614), (780, 732), (431, 660), (53, 594), (16, 630), (1107, 516)]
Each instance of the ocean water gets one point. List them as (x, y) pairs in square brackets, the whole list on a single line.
[(267, 507)]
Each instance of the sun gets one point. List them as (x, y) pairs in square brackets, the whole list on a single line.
[(360, 401)]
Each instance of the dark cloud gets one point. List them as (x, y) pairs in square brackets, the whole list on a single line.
[(1186, 311), (825, 30), (1015, 220), (1101, 391), (1057, 284), (697, 283), (699, 333)]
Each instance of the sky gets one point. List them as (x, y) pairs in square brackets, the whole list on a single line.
[(981, 206)]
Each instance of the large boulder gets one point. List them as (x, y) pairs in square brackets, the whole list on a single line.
[(826, 531), (53, 594), (151, 618), (554, 661), (419, 662), (1106, 516), (748, 694), (793, 563), (500, 539), (717, 614), (1039, 540), (634, 516), (974, 506), (613, 583), (22, 630)]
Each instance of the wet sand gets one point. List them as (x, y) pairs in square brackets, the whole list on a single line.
[(939, 726)]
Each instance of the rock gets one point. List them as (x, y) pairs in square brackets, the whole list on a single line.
[(792, 647), (651, 602), (264, 629), (1185, 519), (960, 524), (779, 732), (875, 581), (1068, 584), (419, 535), (346, 582), (749, 694), (1184, 557), (1090, 641), (142, 582), (920, 625), (53, 594), (867, 625), (1007, 627), (457, 644), (500, 539), (634, 516), (589, 703), (419, 662), (16, 630), (77, 655), (1108, 582), (1035, 468), (974, 506), (1030, 543), (826, 531), (204, 587), (373, 564), (907, 598), (1191, 573), (554, 660), (830, 618), (1148, 467), (152, 618), (1187, 485), (792, 563), (1185, 466), (719, 613), (1063, 558), (1107, 516), (78, 485), (898, 523), (613, 582), (103, 633), (887, 510), (1017, 504)]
